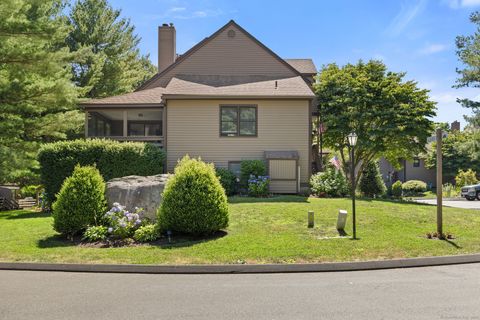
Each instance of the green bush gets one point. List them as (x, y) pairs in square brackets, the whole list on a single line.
[(193, 200), (329, 183), (251, 168), (31, 190), (371, 183), (112, 158), (228, 180), (258, 186), (80, 202), (465, 178), (146, 233), (397, 189), (413, 187), (95, 233)]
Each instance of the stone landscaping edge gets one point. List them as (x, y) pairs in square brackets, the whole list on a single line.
[(245, 268)]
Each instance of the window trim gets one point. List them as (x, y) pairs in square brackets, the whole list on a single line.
[(238, 135)]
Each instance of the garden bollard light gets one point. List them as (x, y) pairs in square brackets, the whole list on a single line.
[(342, 219), (311, 219)]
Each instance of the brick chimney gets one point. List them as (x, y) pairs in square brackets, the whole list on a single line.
[(166, 46), (455, 126)]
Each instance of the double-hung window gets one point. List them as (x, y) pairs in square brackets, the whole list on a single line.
[(238, 121)]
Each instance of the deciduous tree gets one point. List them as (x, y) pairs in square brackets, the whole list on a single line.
[(390, 116)]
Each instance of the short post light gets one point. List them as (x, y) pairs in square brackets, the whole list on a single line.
[(352, 141)]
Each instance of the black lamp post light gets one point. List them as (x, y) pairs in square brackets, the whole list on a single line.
[(352, 141)]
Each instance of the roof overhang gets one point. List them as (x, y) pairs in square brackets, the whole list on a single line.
[(120, 105), (232, 97)]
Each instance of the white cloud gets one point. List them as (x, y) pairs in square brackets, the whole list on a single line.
[(184, 13), (406, 15), (456, 4), (432, 48), (444, 97)]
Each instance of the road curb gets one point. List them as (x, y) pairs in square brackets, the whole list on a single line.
[(245, 268)]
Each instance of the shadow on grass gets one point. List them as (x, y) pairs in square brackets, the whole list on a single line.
[(57, 241), (394, 201), (28, 215), (272, 199), (452, 243), (183, 240)]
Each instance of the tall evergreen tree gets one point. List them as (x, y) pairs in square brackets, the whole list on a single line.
[(371, 184), (468, 52), (37, 98), (112, 63)]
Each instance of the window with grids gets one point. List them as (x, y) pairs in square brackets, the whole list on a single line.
[(238, 121)]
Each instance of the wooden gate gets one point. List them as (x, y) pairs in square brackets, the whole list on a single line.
[(283, 171)]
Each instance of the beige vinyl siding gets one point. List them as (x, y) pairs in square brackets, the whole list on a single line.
[(193, 128), (239, 56), (283, 169), (283, 186)]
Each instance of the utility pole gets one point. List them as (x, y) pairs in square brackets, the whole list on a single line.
[(439, 184)]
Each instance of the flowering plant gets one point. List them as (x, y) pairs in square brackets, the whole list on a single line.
[(123, 223), (258, 186)]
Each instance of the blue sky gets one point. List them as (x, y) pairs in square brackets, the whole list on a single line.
[(415, 36)]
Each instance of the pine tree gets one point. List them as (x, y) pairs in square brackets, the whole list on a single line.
[(371, 183), (37, 98), (110, 62)]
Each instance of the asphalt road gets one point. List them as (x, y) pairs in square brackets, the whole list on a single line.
[(464, 204), (448, 292)]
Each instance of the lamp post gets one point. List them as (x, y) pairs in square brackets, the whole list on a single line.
[(352, 141)]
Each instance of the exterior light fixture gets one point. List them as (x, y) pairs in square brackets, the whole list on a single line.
[(352, 141)]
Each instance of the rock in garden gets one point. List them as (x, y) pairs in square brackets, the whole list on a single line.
[(137, 191)]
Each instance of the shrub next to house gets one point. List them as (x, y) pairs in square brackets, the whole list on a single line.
[(193, 200), (397, 189), (227, 179), (329, 183), (414, 187), (112, 158), (250, 168), (81, 202)]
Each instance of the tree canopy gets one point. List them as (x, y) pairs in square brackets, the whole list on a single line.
[(390, 116), (468, 52), (37, 98), (109, 62)]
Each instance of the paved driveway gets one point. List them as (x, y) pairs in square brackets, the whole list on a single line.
[(448, 292), (464, 204)]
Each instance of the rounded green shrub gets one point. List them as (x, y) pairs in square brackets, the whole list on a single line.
[(113, 159), (193, 200), (329, 183), (146, 233), (80, 202), (227, 179), (371, 183), (397, 189), (414, 187)]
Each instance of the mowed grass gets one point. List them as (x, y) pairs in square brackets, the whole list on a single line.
[(270, 230)]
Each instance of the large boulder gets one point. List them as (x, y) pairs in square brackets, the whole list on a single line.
[(138, 191)]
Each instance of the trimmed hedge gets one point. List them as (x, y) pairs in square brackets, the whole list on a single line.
[(81, 202), (193, 200), (113, 159), (414, 187)]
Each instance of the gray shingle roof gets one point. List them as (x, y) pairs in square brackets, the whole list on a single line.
[(304, 66), (294, 87)]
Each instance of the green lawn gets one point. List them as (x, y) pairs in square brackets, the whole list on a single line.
[(264, 231)]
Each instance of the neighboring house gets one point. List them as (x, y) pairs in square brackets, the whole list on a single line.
[(227, 99), (415, 169), (410, 170)]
